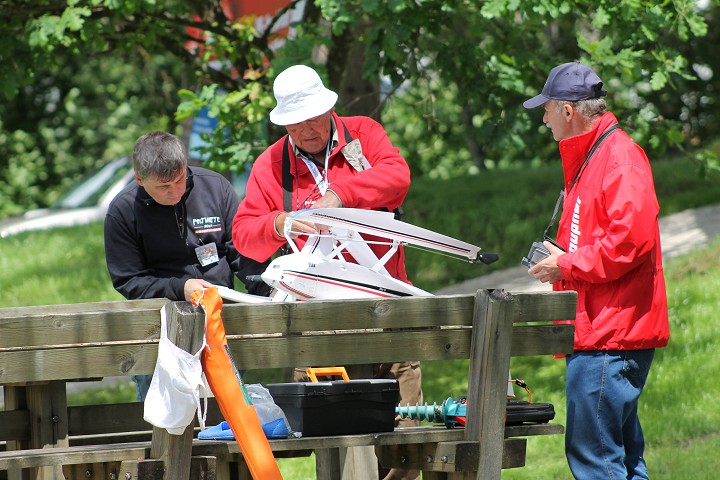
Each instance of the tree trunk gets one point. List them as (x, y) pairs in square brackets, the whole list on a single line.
[(476, 151), (358, 95), (344, 63)]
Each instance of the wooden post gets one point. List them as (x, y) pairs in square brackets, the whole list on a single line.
[(487, 383), (47, 409), (186, 327), (327, 463)]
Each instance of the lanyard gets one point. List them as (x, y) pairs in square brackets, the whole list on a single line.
[(321, 180), (580, 171)]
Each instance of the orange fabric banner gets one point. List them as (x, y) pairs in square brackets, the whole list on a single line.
[(226, 384)]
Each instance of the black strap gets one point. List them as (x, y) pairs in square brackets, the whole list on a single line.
[(589, 155), (287, 180), (348, 137), (579, 173)]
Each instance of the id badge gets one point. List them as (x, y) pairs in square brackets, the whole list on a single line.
[(207, 254)]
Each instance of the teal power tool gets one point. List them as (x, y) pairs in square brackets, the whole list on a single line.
[(451, 412)]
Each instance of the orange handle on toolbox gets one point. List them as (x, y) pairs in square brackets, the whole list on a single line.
[(313, 373)]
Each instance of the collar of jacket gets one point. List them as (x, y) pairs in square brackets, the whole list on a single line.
[(574, 149)]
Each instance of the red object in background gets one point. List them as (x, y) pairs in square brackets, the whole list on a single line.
[(263, 11), (235, 9)]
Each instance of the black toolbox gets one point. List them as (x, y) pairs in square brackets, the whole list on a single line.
[(338, 407)]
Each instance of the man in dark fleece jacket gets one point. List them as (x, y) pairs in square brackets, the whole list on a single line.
[(169, 233)]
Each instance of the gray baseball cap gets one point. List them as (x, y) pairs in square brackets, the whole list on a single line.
[(570, 81)]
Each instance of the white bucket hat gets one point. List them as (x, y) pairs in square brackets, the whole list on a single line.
[(300, 95)]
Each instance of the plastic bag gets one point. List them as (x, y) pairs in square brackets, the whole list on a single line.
[(177, 385), (272, 418)]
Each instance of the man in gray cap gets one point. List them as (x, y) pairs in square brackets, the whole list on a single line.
[(168, 233), (608, 250), (325, 161)]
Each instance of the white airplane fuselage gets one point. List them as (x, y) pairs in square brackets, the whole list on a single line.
[(306, 276)]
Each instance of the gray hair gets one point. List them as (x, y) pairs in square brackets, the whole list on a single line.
[(160, 156), (586, 108)]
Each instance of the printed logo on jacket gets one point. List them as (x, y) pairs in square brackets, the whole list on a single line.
[(575, 227), (206, 224)]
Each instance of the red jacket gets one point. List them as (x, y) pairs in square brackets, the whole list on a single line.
[(609, 227), (384, 186)]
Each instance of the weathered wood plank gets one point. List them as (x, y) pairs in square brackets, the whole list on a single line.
[(107, 360), (15, 425), (487, 383), (457, 456), (86, 420), (120, 451), (284, 335), (366, 313), (153, 303), (274, 352), (141, 321), (298, 317), (532, 430), (47, 407), (72, 455), (544, 306), (79, 328), (541, 339), (370, 347), (249, 353), (142, 469), (83, 471)]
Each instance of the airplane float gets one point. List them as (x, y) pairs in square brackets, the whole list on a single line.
[(321, 270)]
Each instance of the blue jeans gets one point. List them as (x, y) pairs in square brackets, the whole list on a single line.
[(603, 438), (142, 385)]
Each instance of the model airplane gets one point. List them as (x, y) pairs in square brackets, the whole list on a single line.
[(321, 269)]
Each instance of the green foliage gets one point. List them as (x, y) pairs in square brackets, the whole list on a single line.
[(67, 123), (460, 110), (459, 71), (51, 30), (239, 135)]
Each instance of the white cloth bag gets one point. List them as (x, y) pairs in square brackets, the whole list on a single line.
[(176, 387)]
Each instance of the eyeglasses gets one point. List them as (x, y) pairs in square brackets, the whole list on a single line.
[(314, 122)]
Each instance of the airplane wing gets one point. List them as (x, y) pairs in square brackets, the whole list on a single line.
[(384, 224), (240, 297), (321, 270)]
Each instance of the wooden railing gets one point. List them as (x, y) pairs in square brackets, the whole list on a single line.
[(43, 348)]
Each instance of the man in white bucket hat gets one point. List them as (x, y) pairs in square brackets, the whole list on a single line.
[(331, 161), (325, 161)]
